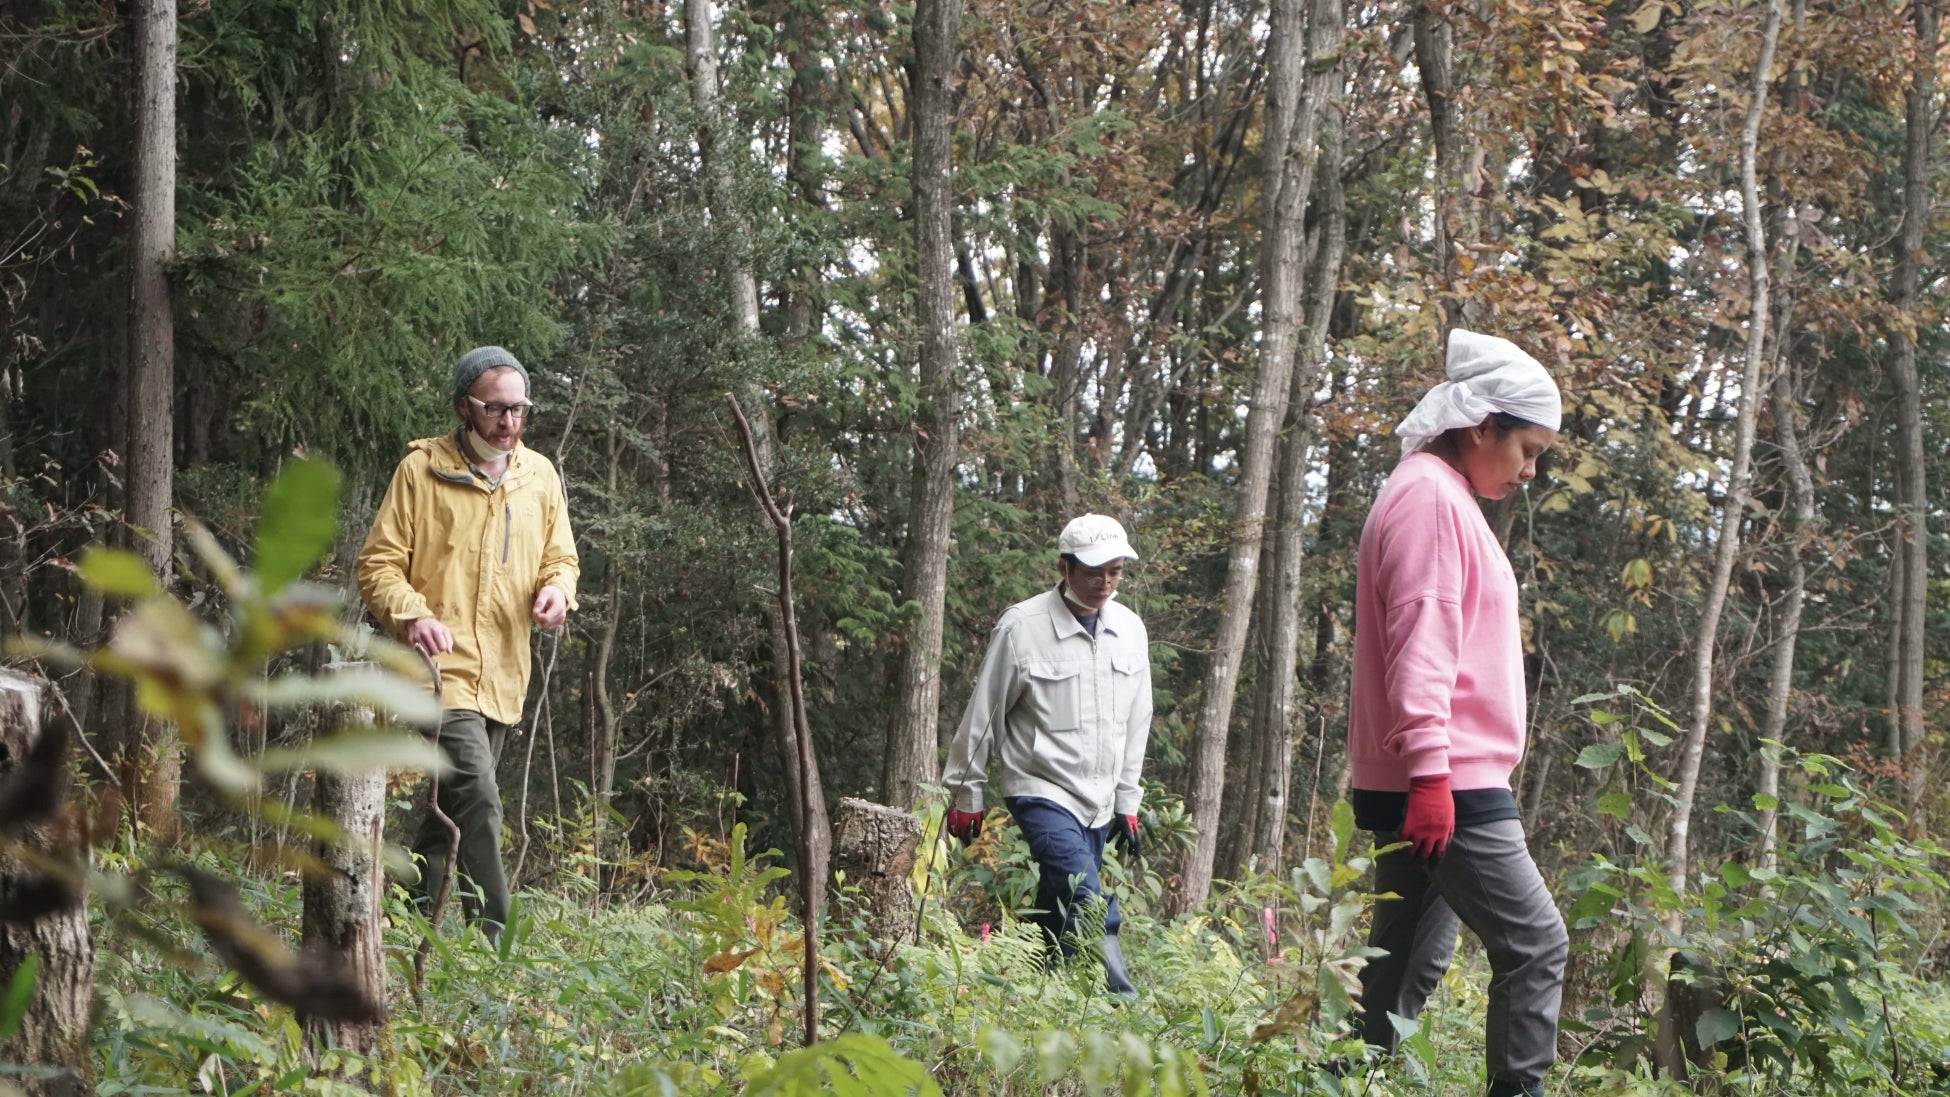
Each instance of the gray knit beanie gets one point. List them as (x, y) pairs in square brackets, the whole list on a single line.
[(480, 360)]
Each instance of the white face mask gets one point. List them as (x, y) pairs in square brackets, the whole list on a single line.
[(482, 451)]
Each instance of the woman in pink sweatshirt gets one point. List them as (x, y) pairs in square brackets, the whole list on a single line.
[(1436, 721)]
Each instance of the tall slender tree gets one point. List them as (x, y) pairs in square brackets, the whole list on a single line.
[(912, 753), (1287, 159), (1739, 478), (151, 368), (1276, 684), (1910, 563), (804, 792)]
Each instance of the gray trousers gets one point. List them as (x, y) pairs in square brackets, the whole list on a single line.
[(1486, 881), (472, 799)]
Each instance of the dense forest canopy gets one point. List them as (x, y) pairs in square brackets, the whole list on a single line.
[(1149, 270)]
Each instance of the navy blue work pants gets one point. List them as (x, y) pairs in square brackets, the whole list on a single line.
[(1065, 850)]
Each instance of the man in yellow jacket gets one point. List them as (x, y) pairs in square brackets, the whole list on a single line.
[(471, 546)]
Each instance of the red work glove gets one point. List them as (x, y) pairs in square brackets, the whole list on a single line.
[(1431, 817), (1124, 834), (965, 825)]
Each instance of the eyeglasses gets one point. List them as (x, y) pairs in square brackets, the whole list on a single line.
[(517, 412)]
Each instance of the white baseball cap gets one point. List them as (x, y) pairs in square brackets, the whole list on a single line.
[(1095, 540)]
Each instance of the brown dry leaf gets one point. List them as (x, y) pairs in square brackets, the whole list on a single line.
[(1293, 1013), (726, 961)]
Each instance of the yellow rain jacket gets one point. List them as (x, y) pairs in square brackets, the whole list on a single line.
[(447, 545)]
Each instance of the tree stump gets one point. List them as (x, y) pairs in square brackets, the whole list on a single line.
[(874, 846), (54, 1032), (341, 905)]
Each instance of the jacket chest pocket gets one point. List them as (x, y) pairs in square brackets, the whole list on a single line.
[(1125, 682), (1056, 691)]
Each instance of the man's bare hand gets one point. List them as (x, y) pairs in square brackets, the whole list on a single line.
[(551, 608), (430, 636)]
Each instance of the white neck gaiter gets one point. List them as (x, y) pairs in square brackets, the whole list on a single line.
[(482, 451)]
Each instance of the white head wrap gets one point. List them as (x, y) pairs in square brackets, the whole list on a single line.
[(1486, 375)]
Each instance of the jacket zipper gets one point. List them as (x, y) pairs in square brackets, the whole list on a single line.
[(507, 528)]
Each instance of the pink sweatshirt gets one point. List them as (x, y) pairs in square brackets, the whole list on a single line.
[(1438, 658)]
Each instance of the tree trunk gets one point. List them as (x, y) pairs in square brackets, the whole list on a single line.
[(341, 905), (54, 1031), (1679, 847), (603, 729), (1281, 652), (874, 849), (1435, 47), (1288, 165), (913, 755), (1780, 683), (1911, 489), (803, 787), (151, 755)]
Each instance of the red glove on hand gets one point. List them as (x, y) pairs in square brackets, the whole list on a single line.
[(1124, 833), (965, 825), (1431, 818)]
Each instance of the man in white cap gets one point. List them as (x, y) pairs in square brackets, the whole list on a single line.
[(1064, 697)]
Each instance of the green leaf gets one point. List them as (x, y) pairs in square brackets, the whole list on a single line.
[(361, 750), (1656, 738), (300, 511), (20, 991), (1004, 1050), (1055, 1051), (1616, 804), (405, 700), (1341, 821), (1735, 874), (1716, 1026), (1600, 755), (1592, 906), (117, 571)]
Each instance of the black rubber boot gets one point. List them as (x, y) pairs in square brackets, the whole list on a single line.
[(1116, 979), (1500, 1088)]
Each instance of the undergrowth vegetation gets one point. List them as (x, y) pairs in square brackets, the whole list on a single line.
[(1815, 972)]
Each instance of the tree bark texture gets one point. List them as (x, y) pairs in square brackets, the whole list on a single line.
[(1911, 489), (1679, 835), (1435, 46), (1288, 157), (1780, 682), (152, 245), (152, 759), (804, 792), (1278, 684), (54, 1031), (913, 755), (341, 905), (874, 846)]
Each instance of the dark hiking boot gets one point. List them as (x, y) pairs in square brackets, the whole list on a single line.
[(1117, 980), (1499, 1088)]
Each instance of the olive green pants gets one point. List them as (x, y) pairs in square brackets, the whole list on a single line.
[(470, 797)]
